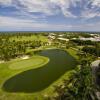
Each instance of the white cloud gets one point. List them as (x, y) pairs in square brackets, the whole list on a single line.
[(92, 12), (64, 5), (48, 8), (88, 27), (96, 3), (53, 7), (9, 23), (14, 23), (5, 2), (41, 6)]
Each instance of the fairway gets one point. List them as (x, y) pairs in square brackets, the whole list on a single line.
[(34, 62), (33, 37)]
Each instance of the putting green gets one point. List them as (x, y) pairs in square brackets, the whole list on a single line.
[(34, 62)]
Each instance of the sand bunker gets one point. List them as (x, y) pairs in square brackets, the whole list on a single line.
[(2, 62), (25, 57)]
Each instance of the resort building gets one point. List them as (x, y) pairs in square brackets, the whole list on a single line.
[(63, 39)]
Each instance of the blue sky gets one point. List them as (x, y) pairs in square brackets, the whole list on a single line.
[(49, 15)]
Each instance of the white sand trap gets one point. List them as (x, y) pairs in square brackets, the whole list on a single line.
[(2, 62), (25, 57)]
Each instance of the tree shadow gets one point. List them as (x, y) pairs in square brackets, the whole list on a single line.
[(38, 79)]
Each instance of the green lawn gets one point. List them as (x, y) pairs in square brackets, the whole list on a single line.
[(30, 38), (72, 52), (34, 62)]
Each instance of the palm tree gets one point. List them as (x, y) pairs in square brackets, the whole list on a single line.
[(80, 85), (81, 88)]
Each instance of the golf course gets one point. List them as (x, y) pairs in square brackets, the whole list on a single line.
[(49, 49), (35, 75)]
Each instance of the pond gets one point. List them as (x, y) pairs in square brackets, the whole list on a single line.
[(38, 79)]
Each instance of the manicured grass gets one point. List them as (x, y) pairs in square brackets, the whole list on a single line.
[(72, 52), (30, 38), (34, 62), (38, 83)]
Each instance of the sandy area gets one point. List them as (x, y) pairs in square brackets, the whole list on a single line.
[(2, 62), (25, 57)]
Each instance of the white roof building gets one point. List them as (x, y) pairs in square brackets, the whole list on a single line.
[(91, 39), (64, 39)]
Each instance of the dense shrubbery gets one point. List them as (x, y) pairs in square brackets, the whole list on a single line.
[(98, 76), (11, 48), (80, 85), (81, 42), (92, 50)]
